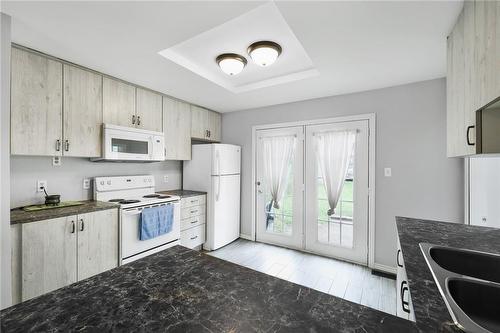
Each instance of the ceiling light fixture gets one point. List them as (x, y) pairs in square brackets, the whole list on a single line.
[(231, 63), (264, 53)]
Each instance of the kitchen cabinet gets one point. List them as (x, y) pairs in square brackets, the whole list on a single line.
[(36, 104), (193, 217), (49, 255), (118, 102), (473, 73), (61, 251), (82, 109), (177, 129), (205, 124), (404, 307), (149, 110)]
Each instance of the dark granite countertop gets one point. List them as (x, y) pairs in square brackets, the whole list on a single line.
[(20, 216), (183, 193), (181, 290), (430, 310)]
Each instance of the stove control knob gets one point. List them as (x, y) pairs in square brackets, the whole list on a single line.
[(102, 182), (109, 182), (145, 180)]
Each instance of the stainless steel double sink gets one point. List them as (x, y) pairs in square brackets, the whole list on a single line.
[(469, 282)]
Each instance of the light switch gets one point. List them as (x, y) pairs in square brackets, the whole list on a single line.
[(387, 172), (56, 161), (86, 183)]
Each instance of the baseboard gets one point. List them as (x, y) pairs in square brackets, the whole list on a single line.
[(384, 268), (248, 237)]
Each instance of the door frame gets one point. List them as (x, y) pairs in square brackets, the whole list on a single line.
[(371, 118)]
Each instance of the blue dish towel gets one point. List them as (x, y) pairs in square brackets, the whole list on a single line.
[(156, 221)]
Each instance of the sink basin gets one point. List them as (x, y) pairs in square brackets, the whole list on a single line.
[(469, 282), (484, 266), (478, 300)]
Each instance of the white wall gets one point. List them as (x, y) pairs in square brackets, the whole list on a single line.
[(67, 179), (5, 276), (484, 191), (411, 139)]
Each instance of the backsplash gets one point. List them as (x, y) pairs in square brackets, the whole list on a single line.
[(67, 179)]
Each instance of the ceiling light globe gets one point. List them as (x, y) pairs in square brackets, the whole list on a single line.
[(231, 64), (264, 53)]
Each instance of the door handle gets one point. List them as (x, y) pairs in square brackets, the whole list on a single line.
[(468, 136), (133, 119), (58, 145), (66, 145), (138, 120), (397, 258), (73, 228), (405, 304), (82, 225)]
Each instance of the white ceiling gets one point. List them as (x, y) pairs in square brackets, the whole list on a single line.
[(355, 46)]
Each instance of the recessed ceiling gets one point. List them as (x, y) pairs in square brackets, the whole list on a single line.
[(262, 23), (354, 46)]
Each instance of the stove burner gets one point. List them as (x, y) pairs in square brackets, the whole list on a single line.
[(164, 197), (124, 202), (115, 200), (152, 196)]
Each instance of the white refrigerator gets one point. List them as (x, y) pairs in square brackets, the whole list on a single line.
[(215, 168)]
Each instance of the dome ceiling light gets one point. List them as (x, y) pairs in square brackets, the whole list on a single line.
[(231, 63), (264, 53)]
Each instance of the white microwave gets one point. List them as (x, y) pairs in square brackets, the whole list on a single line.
[(127, 144)]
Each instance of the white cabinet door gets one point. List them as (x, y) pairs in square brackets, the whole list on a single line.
[(97, 242), (118, 103), (177, 129), (149, 110), (49, 251), (199, 123), (82, 112), (36, 104), (214, 126)]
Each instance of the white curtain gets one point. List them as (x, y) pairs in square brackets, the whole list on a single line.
[(334, 150), (277, 153)]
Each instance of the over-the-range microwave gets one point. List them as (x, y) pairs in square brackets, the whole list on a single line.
[(127, 144)]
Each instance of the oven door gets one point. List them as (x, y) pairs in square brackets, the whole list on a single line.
[(132, 246)]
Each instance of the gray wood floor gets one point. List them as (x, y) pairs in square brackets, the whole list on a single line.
[(349, 281)]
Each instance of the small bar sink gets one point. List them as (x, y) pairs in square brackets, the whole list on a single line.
[(469, 282), (478, 300), (484, 266)]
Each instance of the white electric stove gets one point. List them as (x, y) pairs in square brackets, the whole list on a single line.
[(133, 194)]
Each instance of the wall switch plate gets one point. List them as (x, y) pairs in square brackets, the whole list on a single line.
[(387, 172), (56, 161), (86, 183), (40, 185), (165, 178)]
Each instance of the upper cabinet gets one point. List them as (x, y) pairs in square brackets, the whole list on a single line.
[(118, 103), (205, 124), (82, 112), (149, 110), (177, 128), (473, 72), (36, 104)]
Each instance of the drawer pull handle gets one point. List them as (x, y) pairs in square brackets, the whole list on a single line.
[(405, 304), (193, 238), (193, 201), (194, 211), (195, 221)]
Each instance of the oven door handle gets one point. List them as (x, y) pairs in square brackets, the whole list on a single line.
[(132, 212)]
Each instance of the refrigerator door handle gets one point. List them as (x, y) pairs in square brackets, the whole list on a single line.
[(217, 194)]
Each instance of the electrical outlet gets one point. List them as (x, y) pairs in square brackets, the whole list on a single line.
[(86, 183), (165, 178), (387, 172), (56, 161), (40, 185)]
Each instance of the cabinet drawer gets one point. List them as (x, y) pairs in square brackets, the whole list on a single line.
[(193, 237), (193, 201), (192, 212), (192, 222)]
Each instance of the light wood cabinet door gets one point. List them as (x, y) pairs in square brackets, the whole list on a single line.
[(82, 112), (214, 126), (149, 110), (118, 102), (49, 250), (97, 242), (177, 128), (199, 122), (487, 45), (36, 104)]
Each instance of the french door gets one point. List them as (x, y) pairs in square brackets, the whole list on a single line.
[(280, 223), (312, 214)]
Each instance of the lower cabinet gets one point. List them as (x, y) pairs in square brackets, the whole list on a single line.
[(57, 252), (404, 308), (193, 218)]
